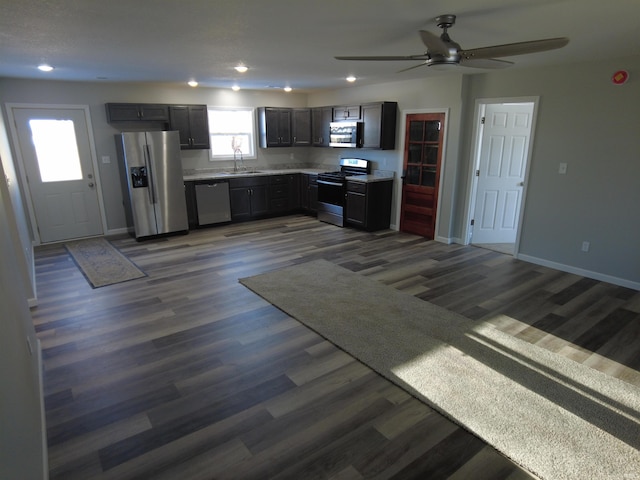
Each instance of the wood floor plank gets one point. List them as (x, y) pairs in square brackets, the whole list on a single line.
[(187, 374)]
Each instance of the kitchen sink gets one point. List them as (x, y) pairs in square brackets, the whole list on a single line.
[(241, 172)]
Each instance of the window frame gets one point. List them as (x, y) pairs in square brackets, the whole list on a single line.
[(253, 134)]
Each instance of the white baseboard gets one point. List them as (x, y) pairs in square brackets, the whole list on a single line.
[(580, 271), (45, 451), (118, 231), (449, 240)]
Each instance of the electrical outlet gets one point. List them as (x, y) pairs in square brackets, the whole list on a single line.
[(585, 246)]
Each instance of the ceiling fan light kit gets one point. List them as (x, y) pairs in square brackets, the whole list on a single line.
[(441, 50)]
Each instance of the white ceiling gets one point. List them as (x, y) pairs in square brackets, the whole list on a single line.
[(289, 42)]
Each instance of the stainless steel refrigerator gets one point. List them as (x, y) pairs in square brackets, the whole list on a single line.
[(153, 167)]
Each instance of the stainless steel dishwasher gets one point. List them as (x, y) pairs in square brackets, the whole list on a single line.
[(212, 202)]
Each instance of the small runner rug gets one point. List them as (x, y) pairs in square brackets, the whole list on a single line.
[(553, 416), (101, 263)]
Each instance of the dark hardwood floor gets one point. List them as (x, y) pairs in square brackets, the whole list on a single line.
[(186, 374)]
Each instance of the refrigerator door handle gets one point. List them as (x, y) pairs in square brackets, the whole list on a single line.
[(147, 164)]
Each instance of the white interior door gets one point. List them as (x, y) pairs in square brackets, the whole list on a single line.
[(55, 148), (501, 169)]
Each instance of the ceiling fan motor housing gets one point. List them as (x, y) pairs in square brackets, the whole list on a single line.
[(445, 21), (453, 58)]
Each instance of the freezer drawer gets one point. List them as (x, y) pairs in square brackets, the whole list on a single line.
[(212, 203)]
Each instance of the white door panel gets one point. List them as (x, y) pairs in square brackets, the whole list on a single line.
[(60, 176), (502, 166)]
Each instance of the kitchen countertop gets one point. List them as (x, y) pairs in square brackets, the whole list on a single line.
[(212, 175), (376, 176)]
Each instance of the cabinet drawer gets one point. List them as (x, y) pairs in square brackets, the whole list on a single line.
[(278, 191), (357, 187), (278, 179), (247, 182)]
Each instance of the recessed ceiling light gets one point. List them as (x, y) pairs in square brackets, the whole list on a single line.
[(45, 68), (241, 68), (235, 88), (351, 78), (192, 83), (287, 89)]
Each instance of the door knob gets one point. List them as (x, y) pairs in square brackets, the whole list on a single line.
[(91, 185), (521, 184)]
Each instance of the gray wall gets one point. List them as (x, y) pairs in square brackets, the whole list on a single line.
[(96, 94), (593, 126), (22, 430), (583, 120)]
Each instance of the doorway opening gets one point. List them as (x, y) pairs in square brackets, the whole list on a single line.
[(502, 149)]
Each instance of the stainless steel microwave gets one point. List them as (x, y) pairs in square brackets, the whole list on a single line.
[(345, 134)]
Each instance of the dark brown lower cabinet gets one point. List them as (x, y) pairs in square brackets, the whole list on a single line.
[(368, 204), (309, 192), (249, 197), (284, 193)]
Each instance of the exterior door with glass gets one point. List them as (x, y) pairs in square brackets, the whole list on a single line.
[(56, 154), (421, 173)]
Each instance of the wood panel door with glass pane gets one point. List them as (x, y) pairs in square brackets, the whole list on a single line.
[(421, 173), (56, 155)]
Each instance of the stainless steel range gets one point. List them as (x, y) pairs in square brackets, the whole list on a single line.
[(332, 189)]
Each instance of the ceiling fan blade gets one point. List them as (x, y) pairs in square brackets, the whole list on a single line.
[(386, 58), (411, 68), (485, 63), (434, 43), (511, 49)]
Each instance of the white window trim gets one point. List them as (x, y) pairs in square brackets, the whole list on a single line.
[(254, 156)]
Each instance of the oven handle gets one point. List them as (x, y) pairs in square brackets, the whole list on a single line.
[(334, 184)]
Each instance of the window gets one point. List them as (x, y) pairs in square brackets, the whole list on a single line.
[(56, 150), (232, 133)]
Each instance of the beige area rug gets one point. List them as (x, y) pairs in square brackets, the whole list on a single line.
[(101, 263), (555, 417)]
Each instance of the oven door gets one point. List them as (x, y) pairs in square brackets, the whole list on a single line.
[(331, 192), (331, 201)]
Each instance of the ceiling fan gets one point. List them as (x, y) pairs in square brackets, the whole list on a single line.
[(441, 50)]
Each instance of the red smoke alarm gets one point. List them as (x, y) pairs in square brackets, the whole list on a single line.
[(620, 77)]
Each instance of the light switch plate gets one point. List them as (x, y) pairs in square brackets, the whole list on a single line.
[(106, 159), (562, 168)]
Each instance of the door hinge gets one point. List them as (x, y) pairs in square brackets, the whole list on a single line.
[(477, 173), (472, 222), (482, 120)]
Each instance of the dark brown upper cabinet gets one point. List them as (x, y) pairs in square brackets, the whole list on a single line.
[(274, 127), (350, 112), (321, 118), (134, 112), (379, 130), (301, 127), (192, 123)]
